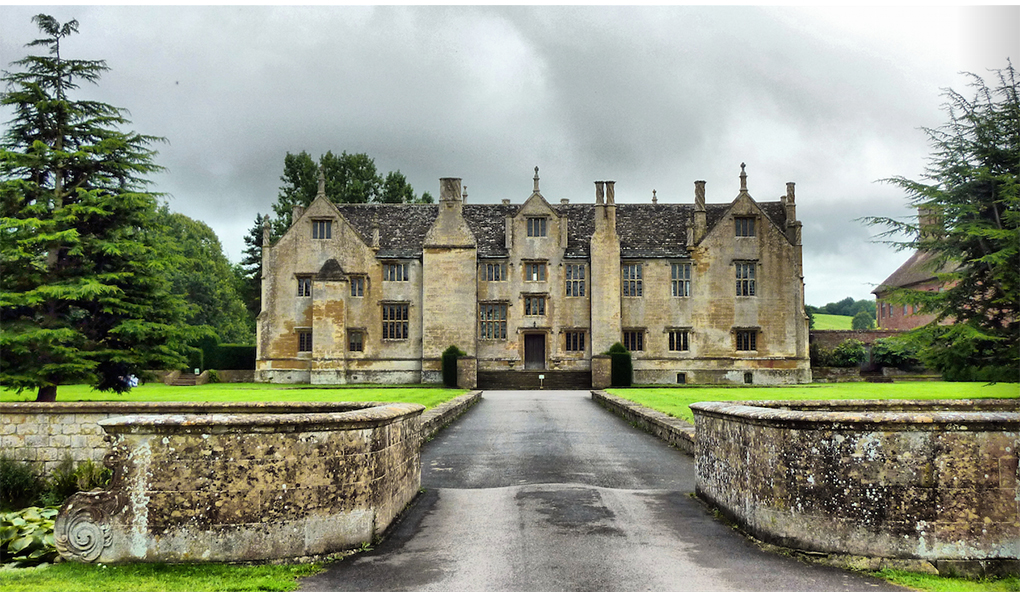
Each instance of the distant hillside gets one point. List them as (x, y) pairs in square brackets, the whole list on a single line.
[(824, 321)]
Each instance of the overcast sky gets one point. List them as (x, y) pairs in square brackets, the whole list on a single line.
[(652, 97)]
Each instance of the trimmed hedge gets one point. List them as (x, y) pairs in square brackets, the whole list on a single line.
[(232, 357), (623, 368), (450, 356)]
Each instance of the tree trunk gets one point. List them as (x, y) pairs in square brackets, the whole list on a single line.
[(46, 394)]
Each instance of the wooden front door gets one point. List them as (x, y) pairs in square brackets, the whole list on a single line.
[(534, 351)]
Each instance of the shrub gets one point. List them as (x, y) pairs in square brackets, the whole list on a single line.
[(848, 353), (62, 483), (896, 352), (819, 356), (26, 536), (622, 366), (20, 484), (450, 356), (862, 321)]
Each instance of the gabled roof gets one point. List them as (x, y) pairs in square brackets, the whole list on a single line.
[(645, 230), (920, 267)]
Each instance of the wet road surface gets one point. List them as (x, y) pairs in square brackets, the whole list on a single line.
[(546, 491)]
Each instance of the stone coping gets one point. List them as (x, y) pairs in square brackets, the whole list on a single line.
[(367, 415), (998, 414), (180, 407), (676, 432), (441, 415)]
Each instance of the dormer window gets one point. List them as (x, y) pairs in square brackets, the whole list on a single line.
[(744, 226), (536, 226), (322, 229), (395, 272)]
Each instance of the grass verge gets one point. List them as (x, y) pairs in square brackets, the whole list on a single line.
[(177, 578), (427, 396), (676, 401), (931, 582)]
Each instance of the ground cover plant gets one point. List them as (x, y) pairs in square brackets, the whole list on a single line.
[(427, 396), (676, 401), (176, 578), (931, 582)]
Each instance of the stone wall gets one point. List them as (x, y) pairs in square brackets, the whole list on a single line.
[(675, 432), (929, 480), (829, 339), (248, 487)]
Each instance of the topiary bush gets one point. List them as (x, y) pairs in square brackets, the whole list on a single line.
[(450, 356), (622, 366)]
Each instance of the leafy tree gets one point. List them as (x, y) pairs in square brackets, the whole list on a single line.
[(199, 272), (81, 298), (971, 187), (426, 197), (396, 190), (862, 321)]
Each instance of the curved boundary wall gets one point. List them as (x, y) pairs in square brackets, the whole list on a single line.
[(246, 487), (929, 480)]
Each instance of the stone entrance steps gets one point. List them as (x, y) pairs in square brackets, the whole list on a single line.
[(528, 380), (185, 379)]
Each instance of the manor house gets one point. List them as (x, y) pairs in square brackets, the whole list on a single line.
[(374, 293)]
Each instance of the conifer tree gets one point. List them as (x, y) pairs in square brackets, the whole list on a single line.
[(81, 297)]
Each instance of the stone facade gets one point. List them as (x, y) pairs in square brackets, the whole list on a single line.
[(702, 293), (928, 480)]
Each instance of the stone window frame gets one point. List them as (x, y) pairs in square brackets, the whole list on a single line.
[(634, 339), (681, 276), (304, 285), (358, 284), (493, 318), (679, 339), (304, 339), (396, 271), (537, 226), (322, 228), (356, 333), (631, 278), (396, 321), (493, 271), (536, 303), (745, 339), (744, 226), (539, 267), (575, 340), (574, 275), (746, 277)]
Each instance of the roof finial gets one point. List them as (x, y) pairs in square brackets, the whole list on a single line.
[(655, 199), (743, 177), (536, 179), (322, 181), (464, 194)]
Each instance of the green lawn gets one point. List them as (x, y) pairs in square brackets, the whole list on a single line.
[(427, 396), (676, 401), (824, 321)]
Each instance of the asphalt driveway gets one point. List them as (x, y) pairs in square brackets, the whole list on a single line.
[(546, 491)]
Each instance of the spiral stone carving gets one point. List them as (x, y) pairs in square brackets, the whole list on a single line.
[(83, 528)]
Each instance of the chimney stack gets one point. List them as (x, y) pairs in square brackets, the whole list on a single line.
[(700, 215)]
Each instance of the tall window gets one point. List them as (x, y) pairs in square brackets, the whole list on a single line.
[(536, 226), (534, 272), (534, 305), (304, 341), (745, 278), (394, 321), (304, 286), (681, 279), (494, 271), (747, 340), (745, 226), (357, 286), (395, 272), (634, 340), (492, 321), (679, 340), (632, 279), (575, 280), (322, 228), (573, 341), (355, 341)]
